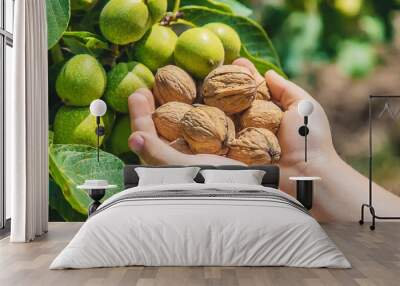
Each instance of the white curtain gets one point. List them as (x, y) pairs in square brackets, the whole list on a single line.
[(27, 124)]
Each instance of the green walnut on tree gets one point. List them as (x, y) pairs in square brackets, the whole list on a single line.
[(82, 5), (229, 38), (81, 80), (118, 140), (199, 51), (126, 21), (117, 143), (156, 48), (123, 80), (75, 125)]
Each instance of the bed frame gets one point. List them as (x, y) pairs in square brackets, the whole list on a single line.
[(270, 179)]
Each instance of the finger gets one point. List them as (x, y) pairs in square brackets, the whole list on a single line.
[(283, 91), (153, 151), (248, 64), (140, 111), (149, 96)]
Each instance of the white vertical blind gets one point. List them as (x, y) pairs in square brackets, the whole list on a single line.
[(27, 117)]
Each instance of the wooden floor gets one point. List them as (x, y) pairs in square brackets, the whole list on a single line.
[(375, 257)]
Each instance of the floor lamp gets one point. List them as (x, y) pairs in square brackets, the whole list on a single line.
[(305, 108), (98, 108)]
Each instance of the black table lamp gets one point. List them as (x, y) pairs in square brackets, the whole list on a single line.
[(98, 108), (305, 108)]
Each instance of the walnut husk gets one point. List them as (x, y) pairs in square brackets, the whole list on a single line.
[(263, 114), (255, 146), (167, 119), (231, 88), (174, 84), (207, 130)]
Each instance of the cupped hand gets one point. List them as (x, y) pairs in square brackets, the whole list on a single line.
[(287, 95), (145, 142), (153, 150)]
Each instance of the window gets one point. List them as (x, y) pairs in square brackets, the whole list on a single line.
[(6, 65)]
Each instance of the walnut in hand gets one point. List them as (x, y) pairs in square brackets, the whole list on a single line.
[(231, 88), (207, 130), (263, 114), (167, 119), (255, 146), (174, 84)]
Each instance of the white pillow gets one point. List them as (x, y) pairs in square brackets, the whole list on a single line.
[(166, 176), (247, 177)]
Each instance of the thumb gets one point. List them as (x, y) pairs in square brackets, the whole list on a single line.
[(284, 91), (152, 150)]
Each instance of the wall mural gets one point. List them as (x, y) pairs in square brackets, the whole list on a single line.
[(183, 52)]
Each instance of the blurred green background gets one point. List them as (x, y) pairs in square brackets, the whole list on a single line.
[(342, 51)]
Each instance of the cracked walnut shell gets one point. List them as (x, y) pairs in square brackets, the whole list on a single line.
[(167, 119), (174, 84), (231, 88), (255, 146), (207, 130), (263, 114)]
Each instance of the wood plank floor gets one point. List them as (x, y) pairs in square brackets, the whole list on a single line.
[(375, 257)]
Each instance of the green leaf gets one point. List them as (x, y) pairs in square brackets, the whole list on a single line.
[(374, 28), (255, 40), (212, 4), (58, 15), (81, 42), (51, 137), (76, 47), (237, 7), (298, 40), (58, 203), (261, 65), (85, 36), (356, 59), (70, 165)]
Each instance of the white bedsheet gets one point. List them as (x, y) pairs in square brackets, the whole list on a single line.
[(200, 231)]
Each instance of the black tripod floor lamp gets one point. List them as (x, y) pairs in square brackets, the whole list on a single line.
[(305, 108), (369, 205)]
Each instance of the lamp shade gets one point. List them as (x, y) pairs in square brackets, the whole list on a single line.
[(305, 108), (98, 107)]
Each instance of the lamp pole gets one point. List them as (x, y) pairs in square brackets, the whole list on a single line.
[(98, 138), (305, 108), (98, 108), (305, 137)]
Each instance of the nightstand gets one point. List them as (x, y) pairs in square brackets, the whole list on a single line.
[(304, 190), (96, 190)]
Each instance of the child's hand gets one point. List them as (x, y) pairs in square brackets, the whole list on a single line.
[(320, 147), (152, 150), (341, 187), (155, 151)]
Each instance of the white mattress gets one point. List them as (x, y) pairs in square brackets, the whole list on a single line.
[(202, 231)]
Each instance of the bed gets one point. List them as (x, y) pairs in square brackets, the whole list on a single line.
[(197, 224)]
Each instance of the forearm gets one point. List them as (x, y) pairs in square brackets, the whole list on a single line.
[(342, 190)]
